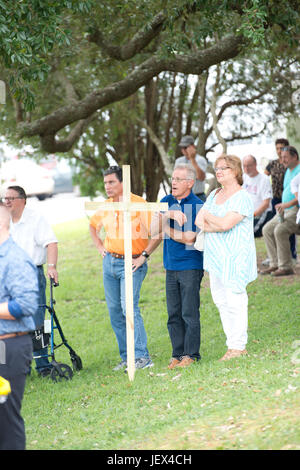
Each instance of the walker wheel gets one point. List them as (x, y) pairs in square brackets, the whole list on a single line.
[(61, 372), (76, 362)]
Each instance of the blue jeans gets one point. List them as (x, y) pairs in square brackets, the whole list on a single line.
[(114, 288), (183, 304), (39, 317)]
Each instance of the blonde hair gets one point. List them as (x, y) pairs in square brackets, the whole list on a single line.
[(234, 163)]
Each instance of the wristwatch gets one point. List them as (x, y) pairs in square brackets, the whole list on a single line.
[(144, 253)]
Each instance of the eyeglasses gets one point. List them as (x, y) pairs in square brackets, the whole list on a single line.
[(8, 199), (222, 168), (179, 180)]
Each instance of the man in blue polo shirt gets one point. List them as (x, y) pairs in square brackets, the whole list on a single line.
[(184, 266)]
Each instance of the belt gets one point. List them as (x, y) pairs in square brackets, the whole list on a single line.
[(117, 255), (13, 335)]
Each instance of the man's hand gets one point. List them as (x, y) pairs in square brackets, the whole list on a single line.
[(178, 216), (279, 208), (138, 262), (52, 273), (190, 152), (102, 250)]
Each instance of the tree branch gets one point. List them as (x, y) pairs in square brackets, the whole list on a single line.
[(139, 41), (51, 145), (228, 48), (213, 111)]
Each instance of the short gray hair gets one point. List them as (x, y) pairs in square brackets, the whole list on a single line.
[(190, 171)]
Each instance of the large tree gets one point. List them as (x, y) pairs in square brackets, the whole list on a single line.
[(126, 71)]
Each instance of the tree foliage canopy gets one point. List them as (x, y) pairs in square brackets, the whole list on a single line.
[(137, 40), (95, 67), (29, 30)]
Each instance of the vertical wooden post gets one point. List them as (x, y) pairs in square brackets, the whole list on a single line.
[(128, 275)]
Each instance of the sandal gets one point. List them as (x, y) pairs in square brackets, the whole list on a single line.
[(232, 353)]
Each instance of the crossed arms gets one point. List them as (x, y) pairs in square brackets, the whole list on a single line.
[(211, 223)]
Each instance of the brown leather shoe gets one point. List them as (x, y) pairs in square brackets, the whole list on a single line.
[(173, 363), (232, 353), (268, 270), (185, 361), (282, 272)]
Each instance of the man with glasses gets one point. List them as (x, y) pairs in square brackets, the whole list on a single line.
[(31, 231), (278, 230), (190, 156), (112, 252), (184, 266)]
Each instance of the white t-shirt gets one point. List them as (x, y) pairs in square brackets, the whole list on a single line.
[(295, 188), (199, 186), (259, 187), (33, 233)]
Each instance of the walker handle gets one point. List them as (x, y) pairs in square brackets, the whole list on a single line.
[(53, 283)]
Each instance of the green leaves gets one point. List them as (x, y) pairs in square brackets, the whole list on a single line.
[(29, 29)]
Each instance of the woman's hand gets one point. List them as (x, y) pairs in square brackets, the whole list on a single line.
[(200, 219)]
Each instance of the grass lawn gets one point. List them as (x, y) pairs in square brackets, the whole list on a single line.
[(247, 403)]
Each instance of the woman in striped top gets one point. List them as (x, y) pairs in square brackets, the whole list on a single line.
[(229, 251)]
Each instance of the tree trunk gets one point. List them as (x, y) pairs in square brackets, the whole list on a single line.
[(153, 167)]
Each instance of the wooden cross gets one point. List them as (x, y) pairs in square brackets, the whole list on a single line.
[(127, 207)]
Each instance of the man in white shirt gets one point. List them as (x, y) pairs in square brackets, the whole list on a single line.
[(188, 149), (259, 187), (31, 231)]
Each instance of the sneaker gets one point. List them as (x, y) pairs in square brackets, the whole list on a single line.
[(266, 262), (120, 366), (143, 363)]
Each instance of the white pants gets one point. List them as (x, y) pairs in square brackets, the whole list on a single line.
[(233, 308)]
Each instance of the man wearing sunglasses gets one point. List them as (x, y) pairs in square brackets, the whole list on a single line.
[(190, 156)]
